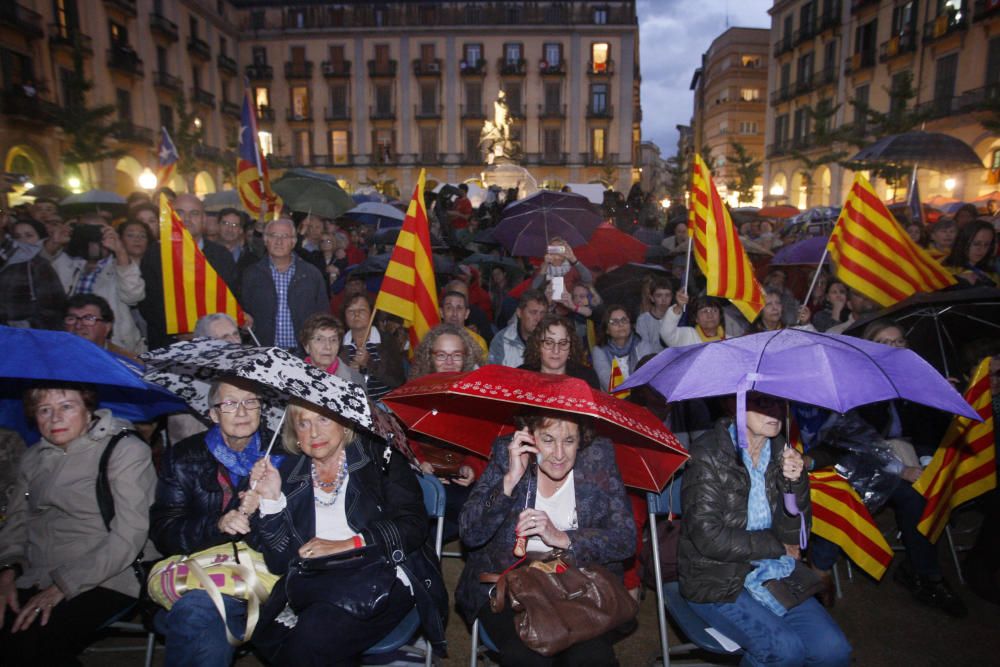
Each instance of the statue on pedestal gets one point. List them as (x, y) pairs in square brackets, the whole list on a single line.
[(495, 140)]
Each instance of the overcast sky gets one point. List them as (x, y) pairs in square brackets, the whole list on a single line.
[(673, 34)]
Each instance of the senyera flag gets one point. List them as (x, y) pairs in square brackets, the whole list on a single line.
[(875, 256), (191, 287), (253, 183), (964, 465), (717, 247), (167, 157), (408, 288)]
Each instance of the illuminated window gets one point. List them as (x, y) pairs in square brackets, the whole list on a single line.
[(599, 57), (750, 94), (339, 147), (300, 102), (598, 137), (262, 97), (266, 142), (750, 61)]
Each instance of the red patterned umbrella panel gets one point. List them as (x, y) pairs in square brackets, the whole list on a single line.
[(609, 247), (470, 410)]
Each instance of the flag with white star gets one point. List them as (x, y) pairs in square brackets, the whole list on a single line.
[(167, 157)]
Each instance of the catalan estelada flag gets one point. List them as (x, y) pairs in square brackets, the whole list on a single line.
[(253, 183), (839, 515), (408, 288), (191, 287), (167, 157), (964, 465), (874, 255), (717, 246), (617, 377)]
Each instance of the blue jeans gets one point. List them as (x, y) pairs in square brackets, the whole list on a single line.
[(195, 633), (806, 635)]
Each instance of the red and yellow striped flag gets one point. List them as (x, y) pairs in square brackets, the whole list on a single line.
[(617, 377), (191, 287), (964, 465), (875, 256), (408, 288), (717, 246)]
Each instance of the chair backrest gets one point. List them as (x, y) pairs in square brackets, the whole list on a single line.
[(667, 501), (433, 491)]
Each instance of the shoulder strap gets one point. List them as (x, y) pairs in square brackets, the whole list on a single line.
[(105, 499)]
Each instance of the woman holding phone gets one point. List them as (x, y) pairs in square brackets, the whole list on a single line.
[(560, 262)]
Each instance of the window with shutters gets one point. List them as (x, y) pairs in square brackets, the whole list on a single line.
[(340, 147)]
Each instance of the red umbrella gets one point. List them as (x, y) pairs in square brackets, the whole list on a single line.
[(472, 409), (777, 212), (610, 247)]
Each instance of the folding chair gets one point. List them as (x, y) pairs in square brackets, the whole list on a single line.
[(433, 492), (668, 596), (119, 624), (479, 635)]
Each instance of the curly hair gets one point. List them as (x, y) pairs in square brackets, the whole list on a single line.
[(533, 346), (423, 362), (536, 418)]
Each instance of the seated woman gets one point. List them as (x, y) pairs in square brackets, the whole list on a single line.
[(573, 499), (616, 341), (553, 347), (336, 493), (378, 359), (973, 255), (708, 319), (836, 307), (320, 337), (198, 505), (734, 523), (64, 572)]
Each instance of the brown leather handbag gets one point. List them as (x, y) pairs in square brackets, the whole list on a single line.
[(557, 605)]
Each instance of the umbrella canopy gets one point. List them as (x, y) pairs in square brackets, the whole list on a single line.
[(981, 199), (388, 236), (527, 225), (488, 262), (216, 201), (609, 247), (624, 284), (377, 264), (362, 197), (470, 410), (48, 191), (305, 193), (816, 214), (930, 150), (91, 201), (35, 355), (486, 237), (188, 368), (830, 371), (377, 214), (780, 212), (806, 252), (939, 325)]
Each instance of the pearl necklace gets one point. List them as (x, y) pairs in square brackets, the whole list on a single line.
[(336, 484)]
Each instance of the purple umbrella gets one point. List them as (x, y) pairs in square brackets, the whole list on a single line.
[(808, 251), (831, 371), (528, 224)]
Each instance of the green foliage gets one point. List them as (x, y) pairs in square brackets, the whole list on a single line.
[(823, 136), (87, 128), (748, 170), (187, 137), (677, 169)]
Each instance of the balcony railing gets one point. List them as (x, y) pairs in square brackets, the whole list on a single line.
[(125, 6), (294, 117), (260, 72), (24, 21), (337, 113), (384, 69), (828, 75), (477, 68), (805, 83), (421, 112), (600, 111), (804, 33), (265, 113), (125, 59), (939, 107), (507, 67), (777, 149), (553, 157), (167, 81), (984, 9), (829, 19), (299, 70), (163, 26), (552, 69), (781, 94), (472, 111), (980, 98), (203, 152), (231, 108), (430, 68), (551, 110), (14, 102), (226, 64), (199, 48), (858, 5), (382, 157), (945, 24), (333, 69), (133, 134), (783, 45), (203, 97), (897, 45), (606, 68), (376, 113), (859, 61), (61, 37)]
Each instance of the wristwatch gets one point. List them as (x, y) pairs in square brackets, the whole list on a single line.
[(15, 567)]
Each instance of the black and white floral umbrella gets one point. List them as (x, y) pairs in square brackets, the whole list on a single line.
[(188, 369)]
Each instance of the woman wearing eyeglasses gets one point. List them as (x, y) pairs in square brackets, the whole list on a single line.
[(198, 505), (553, 347), (617, 345)]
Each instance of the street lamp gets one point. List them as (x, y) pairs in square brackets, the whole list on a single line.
[(665, 202), (777, 190), (949, 184), (74, 183), (147, 179)]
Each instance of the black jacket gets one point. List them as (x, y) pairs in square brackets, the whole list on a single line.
[(715, 547), (185, 515), (306, 295)]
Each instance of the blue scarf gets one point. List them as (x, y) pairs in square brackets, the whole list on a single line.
[(240, 463)]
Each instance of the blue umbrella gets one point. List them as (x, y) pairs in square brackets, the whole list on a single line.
[(376, 214), (35, 355)]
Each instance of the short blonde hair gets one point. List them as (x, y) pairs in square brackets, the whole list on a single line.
[(288, 439)]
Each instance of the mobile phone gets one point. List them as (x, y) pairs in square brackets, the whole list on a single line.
[(558, 287), (556, 250)]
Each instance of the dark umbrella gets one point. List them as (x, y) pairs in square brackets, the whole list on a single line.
[(931, 150), (306, 193), (93, 201), (387, 237), (487, 262), (486, 237), (527, 225), (807, 252), (48, 191), (376, 265), (939, 325), (624, 284)]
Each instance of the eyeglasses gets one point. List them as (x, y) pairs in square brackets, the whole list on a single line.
[(280, 237), (619, 321), (230, 223), (894, 342), (249, 404), (442, 357), (325, 340), (551, 344), (89, 320), (357, 312)]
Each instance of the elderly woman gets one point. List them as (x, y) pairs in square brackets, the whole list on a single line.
[(735, 528), (339, 491), (199, 505), (320, 338), (771, 315), (973, 254), (617, 344), (556, 484), (553, 347), (376, 357), (63, 570), (708, 319)]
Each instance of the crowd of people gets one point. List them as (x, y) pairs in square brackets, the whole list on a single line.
[(65, 568)]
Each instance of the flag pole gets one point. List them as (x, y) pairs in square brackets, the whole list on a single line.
[(687, 265), (254, 336), (819, 269)]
